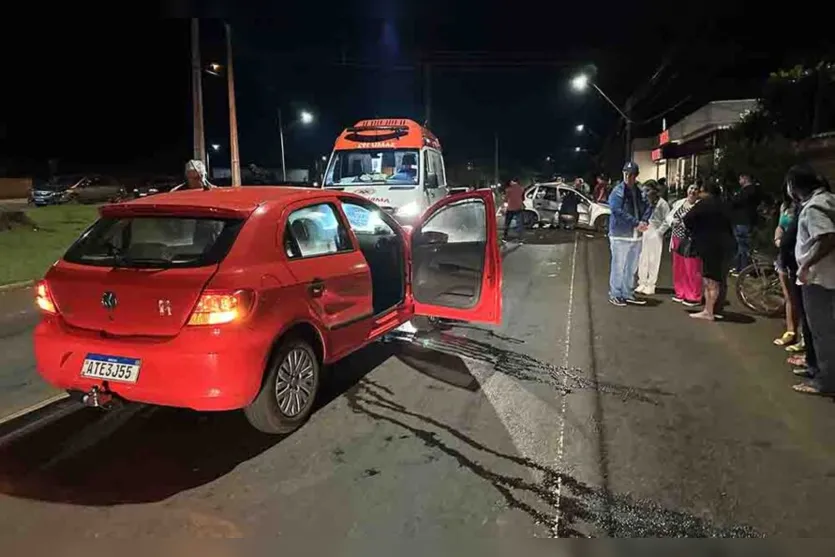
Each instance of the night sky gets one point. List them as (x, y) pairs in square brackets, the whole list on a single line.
[(116, 96)]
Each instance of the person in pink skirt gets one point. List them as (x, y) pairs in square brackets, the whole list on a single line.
[(687, 266)]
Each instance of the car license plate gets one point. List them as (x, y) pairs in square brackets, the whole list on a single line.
[(111, 368)]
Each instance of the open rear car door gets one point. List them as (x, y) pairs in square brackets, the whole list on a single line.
[(456, 267)]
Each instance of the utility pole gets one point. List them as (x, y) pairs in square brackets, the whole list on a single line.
[(427, 92), (496, 158), (199, 142), (281, 138), (235, 158)]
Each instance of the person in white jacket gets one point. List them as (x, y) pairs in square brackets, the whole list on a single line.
[(652, 242)]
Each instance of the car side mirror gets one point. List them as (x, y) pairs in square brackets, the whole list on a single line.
[(433, 237)]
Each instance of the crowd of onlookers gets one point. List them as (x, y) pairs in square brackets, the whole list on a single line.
[(711, 240)]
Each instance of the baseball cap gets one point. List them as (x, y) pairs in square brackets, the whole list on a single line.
[(630, 168)]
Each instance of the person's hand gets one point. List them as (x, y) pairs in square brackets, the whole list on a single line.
[(642, 227), (803, 275)]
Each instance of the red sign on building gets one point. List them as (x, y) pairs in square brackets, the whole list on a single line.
[(664, 138), (657, 155)]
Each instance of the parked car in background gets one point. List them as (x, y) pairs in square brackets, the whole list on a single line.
[(53, 191), (96, 188)]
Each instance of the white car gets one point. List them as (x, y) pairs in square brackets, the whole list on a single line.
[(542, 205)]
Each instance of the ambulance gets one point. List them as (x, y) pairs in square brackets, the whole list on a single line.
[(396, 163)]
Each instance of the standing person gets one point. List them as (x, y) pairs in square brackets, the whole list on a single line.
[(652, 244), (581, 186), (744, 205), (569, 213), (815, 254), (630, 214), (601, 189), (514, 195), (196, 177), (709, 223), (805, 365), (787, 215), (687, 266), (663, 191)]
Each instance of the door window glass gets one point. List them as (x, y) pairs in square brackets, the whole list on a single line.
[(366, 221), (550, 194), (530, 193), (313, 231), (433, 169), (448, 255)]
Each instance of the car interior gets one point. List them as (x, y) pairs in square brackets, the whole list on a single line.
[(448, 255), (383, 250)]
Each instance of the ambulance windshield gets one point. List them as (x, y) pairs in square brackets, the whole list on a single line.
[(374, 166)]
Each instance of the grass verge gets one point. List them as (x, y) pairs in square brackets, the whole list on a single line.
[(26, 254)]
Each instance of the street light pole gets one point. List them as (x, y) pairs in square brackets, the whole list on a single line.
[(281, 137), (581, 81), (235, 159), (199, 140)]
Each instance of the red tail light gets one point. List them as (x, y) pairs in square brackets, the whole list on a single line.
[(217, 307), (43, 298)]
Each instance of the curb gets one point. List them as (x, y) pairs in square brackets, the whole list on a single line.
[(16, 285)]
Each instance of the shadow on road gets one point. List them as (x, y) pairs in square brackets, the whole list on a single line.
[(141, 454)]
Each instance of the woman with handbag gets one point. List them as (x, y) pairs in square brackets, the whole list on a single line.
[(687, 266)]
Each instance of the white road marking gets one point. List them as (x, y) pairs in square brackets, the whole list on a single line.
[(561, 444), (32, 408)]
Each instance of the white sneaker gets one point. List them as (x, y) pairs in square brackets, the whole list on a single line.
[(640, 290)]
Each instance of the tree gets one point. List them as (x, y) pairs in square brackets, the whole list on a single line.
[(753, 147)]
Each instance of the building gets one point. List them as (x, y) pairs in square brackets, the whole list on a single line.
[(688, 149)]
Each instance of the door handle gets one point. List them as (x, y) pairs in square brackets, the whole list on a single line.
[(316, 288)]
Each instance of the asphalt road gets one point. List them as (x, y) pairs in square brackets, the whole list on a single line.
[(574, 418)]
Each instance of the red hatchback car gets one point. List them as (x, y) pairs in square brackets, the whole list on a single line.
[(235, 298)]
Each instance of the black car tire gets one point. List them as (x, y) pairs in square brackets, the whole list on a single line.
[(264, 413)]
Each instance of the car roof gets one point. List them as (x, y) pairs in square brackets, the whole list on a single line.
[(245, 198)]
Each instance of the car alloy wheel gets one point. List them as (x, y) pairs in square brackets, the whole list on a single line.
[(294, 385)]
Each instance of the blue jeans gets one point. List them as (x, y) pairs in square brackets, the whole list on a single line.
[(625, 255), (509, 218), (742, 233)]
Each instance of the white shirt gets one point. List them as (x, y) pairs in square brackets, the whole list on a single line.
[(817, 218)]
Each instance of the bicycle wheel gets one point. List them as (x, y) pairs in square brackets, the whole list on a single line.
[(758, 289)]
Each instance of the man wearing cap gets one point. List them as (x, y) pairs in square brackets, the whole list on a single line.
[(628, 221)]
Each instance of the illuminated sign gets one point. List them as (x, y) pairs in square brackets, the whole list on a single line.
[(664, 138), (657, 155), (389, 122)]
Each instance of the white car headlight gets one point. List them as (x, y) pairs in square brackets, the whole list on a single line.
[(408, 210)]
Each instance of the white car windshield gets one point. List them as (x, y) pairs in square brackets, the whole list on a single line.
[(374, 166)]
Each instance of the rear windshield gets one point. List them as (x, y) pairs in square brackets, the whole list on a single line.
[(155, 242)]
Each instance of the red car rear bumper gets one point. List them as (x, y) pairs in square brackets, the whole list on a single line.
[(206, 368)]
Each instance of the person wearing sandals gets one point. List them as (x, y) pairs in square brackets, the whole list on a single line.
[(803, 364), (709, 222), (815, 254), (787, 215), (687, 267)]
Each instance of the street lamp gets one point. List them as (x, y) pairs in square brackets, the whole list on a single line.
[(577, 149), (548, 159), (580, 128), (580, 82), (305, 118), (214, 69)]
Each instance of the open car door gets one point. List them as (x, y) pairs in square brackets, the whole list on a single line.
[(456, 267)]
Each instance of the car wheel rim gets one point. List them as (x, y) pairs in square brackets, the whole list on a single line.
[(294, 383)]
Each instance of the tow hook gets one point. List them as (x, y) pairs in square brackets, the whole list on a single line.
[(97, 398)]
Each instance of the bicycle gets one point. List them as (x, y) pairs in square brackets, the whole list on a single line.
[(758, 287)]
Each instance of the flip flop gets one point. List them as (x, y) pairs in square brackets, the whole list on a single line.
[(807, 389), (787, 338)]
